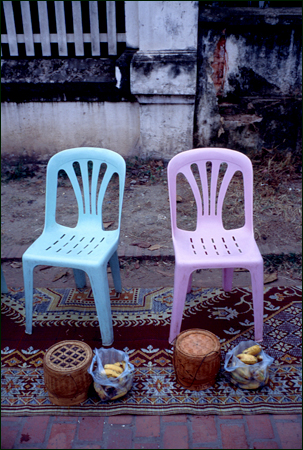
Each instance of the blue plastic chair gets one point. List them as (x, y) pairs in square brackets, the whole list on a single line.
[(88, 247)]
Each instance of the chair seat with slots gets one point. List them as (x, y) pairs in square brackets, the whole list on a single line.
[(211, 245), (87, 247)]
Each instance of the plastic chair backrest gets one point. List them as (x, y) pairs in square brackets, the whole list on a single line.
[(210, 204), (88, 199)]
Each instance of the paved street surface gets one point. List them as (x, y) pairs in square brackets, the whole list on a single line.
[(175, 431)]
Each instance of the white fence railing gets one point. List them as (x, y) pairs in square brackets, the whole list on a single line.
[(61, 37)]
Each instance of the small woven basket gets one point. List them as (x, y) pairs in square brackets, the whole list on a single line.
[(65, 367), (196, 359)]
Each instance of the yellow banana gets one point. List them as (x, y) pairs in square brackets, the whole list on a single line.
[(251, 385), (247, 359), (114, 367), (111, 373), (259, 375), (119, 364), (254, 350), (120, 394), (100, 391), (244, 372), (238, 378)]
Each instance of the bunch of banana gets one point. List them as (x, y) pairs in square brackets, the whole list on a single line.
[(114, 370), (250, 377), (250, 355)]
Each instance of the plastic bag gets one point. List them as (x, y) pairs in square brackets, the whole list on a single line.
[(243, 375), (109, 388)]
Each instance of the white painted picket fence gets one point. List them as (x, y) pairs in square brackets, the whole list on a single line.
[(61, 37)]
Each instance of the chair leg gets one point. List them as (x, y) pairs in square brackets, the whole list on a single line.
[(258, 300), (181, 281), (4, 289), (228, 279), (99, 284), (80, 279), (190, 280), (28, 280), (115, 268)]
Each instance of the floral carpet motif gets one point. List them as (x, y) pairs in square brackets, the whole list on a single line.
[(141, 319)]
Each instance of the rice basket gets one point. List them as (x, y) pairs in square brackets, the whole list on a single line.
[(196, 359), (65, 367)]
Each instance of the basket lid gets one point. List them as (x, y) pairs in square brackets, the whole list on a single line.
[(68, 355), (197, 342)]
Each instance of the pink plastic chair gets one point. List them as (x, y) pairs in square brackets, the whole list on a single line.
[(211, 245)]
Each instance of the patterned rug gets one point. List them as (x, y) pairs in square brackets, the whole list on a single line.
[(141, 319)]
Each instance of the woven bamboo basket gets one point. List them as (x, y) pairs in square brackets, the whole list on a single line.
[(196, 359), (65, 367)]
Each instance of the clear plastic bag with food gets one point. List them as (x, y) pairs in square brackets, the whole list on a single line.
[(112, 373), (247, 365)]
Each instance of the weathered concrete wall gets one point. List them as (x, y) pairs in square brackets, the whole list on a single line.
[(49, 105), (40, 129), (163, 76), (167, 25), (236, 82), (164, 84), (249, 78), (142, 103), (164, 73), (69, 79)]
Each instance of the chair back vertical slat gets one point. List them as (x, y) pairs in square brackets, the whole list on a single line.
[(44, 29), (94, 28), (76, 186), (85, 184), (111, 28), (195, 190), (205, 190), (94, 185), (223, 189), (11, 28), (213, 186), (61, 28), (106, 179), (78, 29), (27, 29)]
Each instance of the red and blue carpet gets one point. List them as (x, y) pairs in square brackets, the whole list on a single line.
[(141, 319)]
